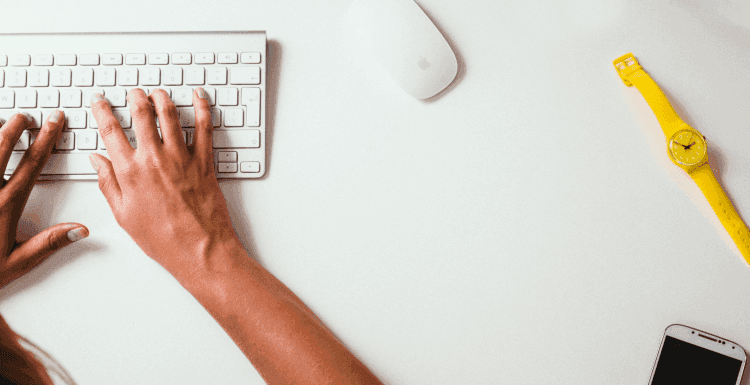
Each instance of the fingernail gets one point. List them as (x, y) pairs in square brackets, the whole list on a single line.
[(28, 117), (56, 116), (94, 163), (202, 93), (97, 97), (77, 234)]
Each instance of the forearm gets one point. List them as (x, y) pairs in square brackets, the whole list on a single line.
[(281, 336)]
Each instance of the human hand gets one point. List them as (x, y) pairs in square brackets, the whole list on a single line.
[(18, 258), (164, 193)]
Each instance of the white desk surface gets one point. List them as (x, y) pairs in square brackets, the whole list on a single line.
[(525, 226)]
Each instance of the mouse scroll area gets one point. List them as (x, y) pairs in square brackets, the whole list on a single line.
[(410, 47)]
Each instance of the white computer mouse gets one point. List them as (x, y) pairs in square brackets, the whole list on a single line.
[(407, 43)]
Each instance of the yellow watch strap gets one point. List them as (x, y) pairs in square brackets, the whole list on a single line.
[(632, 74), (730, 219)]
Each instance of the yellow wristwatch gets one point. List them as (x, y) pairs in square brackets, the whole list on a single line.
[(687, 149)]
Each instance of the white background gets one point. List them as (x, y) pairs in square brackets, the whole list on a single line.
[(525, 226)]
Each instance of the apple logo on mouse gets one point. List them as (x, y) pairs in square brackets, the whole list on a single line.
[(423, 63)]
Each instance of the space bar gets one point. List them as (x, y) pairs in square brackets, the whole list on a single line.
[(58, 164)]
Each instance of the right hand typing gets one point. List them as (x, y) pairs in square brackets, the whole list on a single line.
[(164, 194)]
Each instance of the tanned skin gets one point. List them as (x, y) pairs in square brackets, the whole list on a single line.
[(166, 196)]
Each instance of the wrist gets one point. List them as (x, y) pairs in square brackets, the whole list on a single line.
[(208, 259)]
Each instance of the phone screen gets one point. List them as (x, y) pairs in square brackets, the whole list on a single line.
[(681, 362)]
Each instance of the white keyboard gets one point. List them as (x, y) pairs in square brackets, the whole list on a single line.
[(43, 72)]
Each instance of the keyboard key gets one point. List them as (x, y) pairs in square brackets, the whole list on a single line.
[(183, 96), (89, 59), (38, 77), (16, 77), (228, 58), (3, 60), (65, 59), (37, 116), (182, 58), (172, 76), (7, 98), (127, 76), (251, 99), (58, 164), (83, 77), (150, 76), (227, 96), (130, 134), (217, 75), (23, 142), (211, 95), (123, 116), (250, 58), (233, 117), (105, 77), (49, 98), (252, 167), (61, 77), (87, 140), (195, 76), (19, 60), (112, 59), (236, 139), (46, 114), (42, 60), (187, 117), (26, 98), (135, 59), (244, 75), (215, 117), (227, 167), (66, 142), (227, 156), (87, 95), (204, 58), (116, 96), (151, 90), (75, 118), (70, 98), (158, 58), (2, 77)]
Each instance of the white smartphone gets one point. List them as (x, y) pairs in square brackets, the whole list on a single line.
[(691, 356)]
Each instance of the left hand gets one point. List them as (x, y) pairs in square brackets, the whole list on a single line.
[(18, 258)]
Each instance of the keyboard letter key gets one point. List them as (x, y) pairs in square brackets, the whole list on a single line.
[(66, 141)]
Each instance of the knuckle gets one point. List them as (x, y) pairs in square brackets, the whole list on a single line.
[(54, 240), (140, 107), (107, 124), (168, 111), (36, 157)]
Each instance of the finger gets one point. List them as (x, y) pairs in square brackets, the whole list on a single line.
[(9, 135), (36, 156), (118, 146), (169, 122), (31, 253), (142, 113), (108, 184), (204, 128)]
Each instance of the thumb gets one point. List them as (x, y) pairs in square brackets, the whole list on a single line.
[(27, 255), (107, 181)]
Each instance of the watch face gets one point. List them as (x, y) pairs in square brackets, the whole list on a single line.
[(687, 147)]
